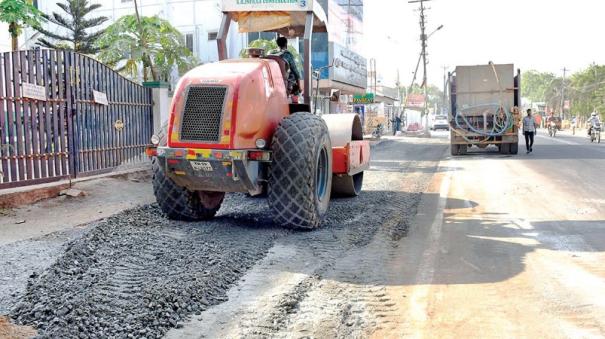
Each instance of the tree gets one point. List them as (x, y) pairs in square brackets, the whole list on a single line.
[(535, 85), (586, 89), (151, 46), (18, 14), (271, 46), (75, 26)]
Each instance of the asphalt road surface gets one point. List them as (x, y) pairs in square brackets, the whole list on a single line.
[(483, 245)]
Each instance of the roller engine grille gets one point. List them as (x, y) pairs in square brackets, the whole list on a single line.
[(203, 113)]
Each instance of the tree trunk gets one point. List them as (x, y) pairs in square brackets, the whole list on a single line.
[(12, 28)]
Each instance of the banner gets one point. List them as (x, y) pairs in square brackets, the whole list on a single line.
[(415, 100)]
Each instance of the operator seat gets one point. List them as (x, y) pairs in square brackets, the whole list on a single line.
[(282, 65)]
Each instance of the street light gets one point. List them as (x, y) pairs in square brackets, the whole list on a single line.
[(438, 28)]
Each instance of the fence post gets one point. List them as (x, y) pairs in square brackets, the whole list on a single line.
[(161, 103)]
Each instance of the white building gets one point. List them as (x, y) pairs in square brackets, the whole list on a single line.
[(198, 20)]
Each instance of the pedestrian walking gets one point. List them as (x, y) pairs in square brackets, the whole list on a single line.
[(529, 129)]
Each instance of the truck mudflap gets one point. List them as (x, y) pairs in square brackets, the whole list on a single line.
[(351, 159), (214, 170)]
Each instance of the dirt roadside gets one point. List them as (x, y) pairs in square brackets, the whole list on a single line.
[(103, 197)]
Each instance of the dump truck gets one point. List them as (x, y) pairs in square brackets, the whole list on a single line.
[(485, 102), (233, 127)]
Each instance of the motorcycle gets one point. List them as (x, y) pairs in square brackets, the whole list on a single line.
[(595, 132), (377, 132), (552, 129)]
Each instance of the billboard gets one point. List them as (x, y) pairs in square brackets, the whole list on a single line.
[(352, 67), (415, 100), (267, 5)]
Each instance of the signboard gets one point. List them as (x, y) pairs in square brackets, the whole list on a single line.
[(415, 100), (367, 98), (352, 67), (100, 98), (33, 91), (267, 5)]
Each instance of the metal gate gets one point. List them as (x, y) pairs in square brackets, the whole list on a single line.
[(63, 114)]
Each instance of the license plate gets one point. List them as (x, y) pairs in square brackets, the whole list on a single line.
[(201, 166)]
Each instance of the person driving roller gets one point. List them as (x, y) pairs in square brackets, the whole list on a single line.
[(292, 70)]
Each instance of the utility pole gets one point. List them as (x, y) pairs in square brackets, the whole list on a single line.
[(444, 105), (423, 39), (563, 93)]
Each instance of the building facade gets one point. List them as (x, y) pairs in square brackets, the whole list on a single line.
[(197, 20), (342, 44)]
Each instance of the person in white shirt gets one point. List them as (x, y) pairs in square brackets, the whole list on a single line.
[(594, 120), (529, 129)]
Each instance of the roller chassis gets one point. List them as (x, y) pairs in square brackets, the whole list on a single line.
[(237, 132)]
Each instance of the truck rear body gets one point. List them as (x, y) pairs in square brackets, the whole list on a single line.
[(484, 105)]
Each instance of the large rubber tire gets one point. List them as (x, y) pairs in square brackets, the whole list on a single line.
[(454, 149), (179, 203), (462, 149), (300, 177), (514, 148), (347, 185), (505, 148)]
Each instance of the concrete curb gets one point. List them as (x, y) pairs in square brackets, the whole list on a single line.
[(20, 196)]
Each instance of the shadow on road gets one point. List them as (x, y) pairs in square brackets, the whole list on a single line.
[(541, 152), (491, 248)]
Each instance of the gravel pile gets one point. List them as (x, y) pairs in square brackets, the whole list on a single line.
[(138, 274)]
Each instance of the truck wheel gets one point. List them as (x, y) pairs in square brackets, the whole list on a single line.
[(462, 149), (179, 203), (347, 185), (300, 177), (505, 148), (514, 148), (454, 149)]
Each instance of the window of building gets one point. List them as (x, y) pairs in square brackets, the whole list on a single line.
[(189, 41), (212, 36)]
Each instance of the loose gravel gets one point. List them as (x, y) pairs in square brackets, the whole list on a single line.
[(138, 274), (27, 259)]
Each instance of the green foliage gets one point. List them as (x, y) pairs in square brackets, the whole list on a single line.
[(155, 47), (536, 85), (17, 14), (75, 25), (270, 46), (585, 90)]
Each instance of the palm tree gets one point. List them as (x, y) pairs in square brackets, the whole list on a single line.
[(18, 14), (149, 42)]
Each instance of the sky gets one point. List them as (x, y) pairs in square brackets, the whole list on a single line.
[(545, 35)]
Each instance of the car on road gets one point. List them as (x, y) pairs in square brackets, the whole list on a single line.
[(440, 122)]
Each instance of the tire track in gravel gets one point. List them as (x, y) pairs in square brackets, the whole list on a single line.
[(137, 274), (331, 282)]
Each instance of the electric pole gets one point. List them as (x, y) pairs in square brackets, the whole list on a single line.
[(563, 93), (423, 39), (444, 105)]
